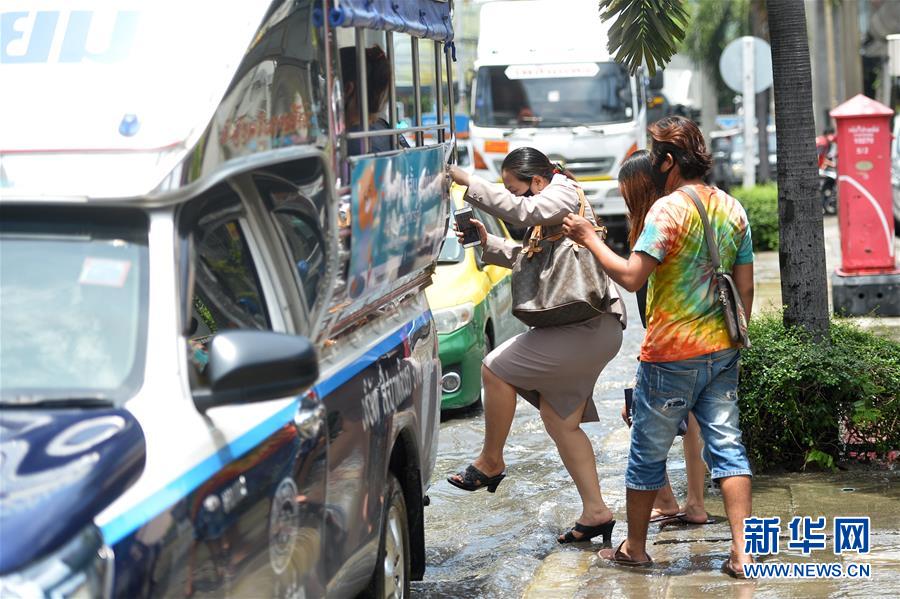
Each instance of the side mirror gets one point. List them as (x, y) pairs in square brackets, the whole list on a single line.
[(656, 82), (251, 366)]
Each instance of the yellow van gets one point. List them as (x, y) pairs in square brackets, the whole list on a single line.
[(472, 306)]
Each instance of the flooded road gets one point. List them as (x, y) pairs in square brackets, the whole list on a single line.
[(504, 544)]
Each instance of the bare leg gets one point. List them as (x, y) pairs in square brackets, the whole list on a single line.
[(738, 505), (577, 455), (639, 505), (695, 509), (499, 409), (665, 503)]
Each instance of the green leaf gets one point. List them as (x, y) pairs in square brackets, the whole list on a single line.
[(644, 31)]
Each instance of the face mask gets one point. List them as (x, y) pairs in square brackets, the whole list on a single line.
[(660, 178), (528, 193)]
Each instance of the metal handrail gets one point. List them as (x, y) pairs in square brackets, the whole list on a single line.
[(380, 132), (362, 85), (438, 89), (417, 89), (392, 87)]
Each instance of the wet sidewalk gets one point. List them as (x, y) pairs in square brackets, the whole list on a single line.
[(504, 545), (688, 560)]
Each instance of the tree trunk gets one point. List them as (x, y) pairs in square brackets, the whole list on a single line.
[(804, 288)]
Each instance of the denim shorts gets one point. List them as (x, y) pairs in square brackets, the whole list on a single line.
[(666, 392)]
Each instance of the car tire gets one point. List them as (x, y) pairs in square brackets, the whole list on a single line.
[(392, 570)]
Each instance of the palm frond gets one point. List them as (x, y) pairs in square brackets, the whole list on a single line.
[(644, 30)]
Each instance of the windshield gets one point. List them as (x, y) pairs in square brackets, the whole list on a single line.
[(73, 290), (552, 95), (451, 252)]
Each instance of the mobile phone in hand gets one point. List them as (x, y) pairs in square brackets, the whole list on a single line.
[(469, 231)]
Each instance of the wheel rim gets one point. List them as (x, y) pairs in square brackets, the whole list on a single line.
[(394, 556)]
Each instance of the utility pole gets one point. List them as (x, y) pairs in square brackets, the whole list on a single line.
[(850, 45), (829, 45)]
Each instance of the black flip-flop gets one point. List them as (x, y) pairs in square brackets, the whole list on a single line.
[(728, 568), (681, 520), (588, 533), (474, 479), (662, 518), (619, 558)]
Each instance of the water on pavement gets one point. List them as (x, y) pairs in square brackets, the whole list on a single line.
[(504, 544), (490, 545)]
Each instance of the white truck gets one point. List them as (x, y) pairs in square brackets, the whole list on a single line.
[(544, 78)]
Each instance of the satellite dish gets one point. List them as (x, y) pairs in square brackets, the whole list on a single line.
[(731, 65)]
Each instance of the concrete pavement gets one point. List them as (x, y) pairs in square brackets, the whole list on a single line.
[(688, 559)]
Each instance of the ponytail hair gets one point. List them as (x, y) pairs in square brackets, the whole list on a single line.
[(527, 163)]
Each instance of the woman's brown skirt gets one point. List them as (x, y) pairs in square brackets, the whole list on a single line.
[(559, 365)]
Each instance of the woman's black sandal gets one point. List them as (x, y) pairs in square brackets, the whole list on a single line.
[(589, 532), (473, 479)]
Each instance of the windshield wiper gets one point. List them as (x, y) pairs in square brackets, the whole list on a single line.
[(57, 402)]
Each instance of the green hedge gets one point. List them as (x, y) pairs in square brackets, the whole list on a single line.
[(804, 402), (761, 204)]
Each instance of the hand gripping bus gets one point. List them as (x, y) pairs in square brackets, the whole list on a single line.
[(219, 373)]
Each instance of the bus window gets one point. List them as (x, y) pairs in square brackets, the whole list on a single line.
[(378, 80)]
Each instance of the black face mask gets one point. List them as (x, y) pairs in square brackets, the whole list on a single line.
[(660, 178), (528, 193)]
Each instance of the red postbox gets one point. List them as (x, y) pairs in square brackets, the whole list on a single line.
[(865, 210)]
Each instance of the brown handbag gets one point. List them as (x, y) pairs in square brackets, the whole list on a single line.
[(726, 290), (556, 281)]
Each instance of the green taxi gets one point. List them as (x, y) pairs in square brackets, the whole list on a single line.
[(472, 306)]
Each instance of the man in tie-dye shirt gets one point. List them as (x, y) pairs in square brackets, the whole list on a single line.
[(684, 317), (688, 362)]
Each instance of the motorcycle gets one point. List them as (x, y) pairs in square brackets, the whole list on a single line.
[(828, 189)]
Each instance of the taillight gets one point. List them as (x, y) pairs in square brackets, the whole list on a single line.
[(480, 164)]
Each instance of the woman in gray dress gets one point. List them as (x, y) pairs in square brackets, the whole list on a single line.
[(553, 368)]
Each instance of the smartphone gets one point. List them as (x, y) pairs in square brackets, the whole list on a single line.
[(469, 231), (629, 402)]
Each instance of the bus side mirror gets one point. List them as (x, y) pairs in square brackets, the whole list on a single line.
[(656, 82), (248, 366)]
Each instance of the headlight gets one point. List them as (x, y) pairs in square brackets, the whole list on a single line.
[(81, 569), (451, 319)]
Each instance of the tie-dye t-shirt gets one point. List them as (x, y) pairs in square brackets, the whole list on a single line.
[(684, 318)]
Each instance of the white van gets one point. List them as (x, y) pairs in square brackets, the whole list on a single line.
[(544, 78)]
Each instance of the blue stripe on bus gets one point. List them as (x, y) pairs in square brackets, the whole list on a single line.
[(125, 524)]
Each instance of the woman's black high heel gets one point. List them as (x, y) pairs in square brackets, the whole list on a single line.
[(589, 532), (473, 479)]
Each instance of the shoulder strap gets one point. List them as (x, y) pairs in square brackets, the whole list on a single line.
[(583, 206), (582, 202), (710, 237)]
